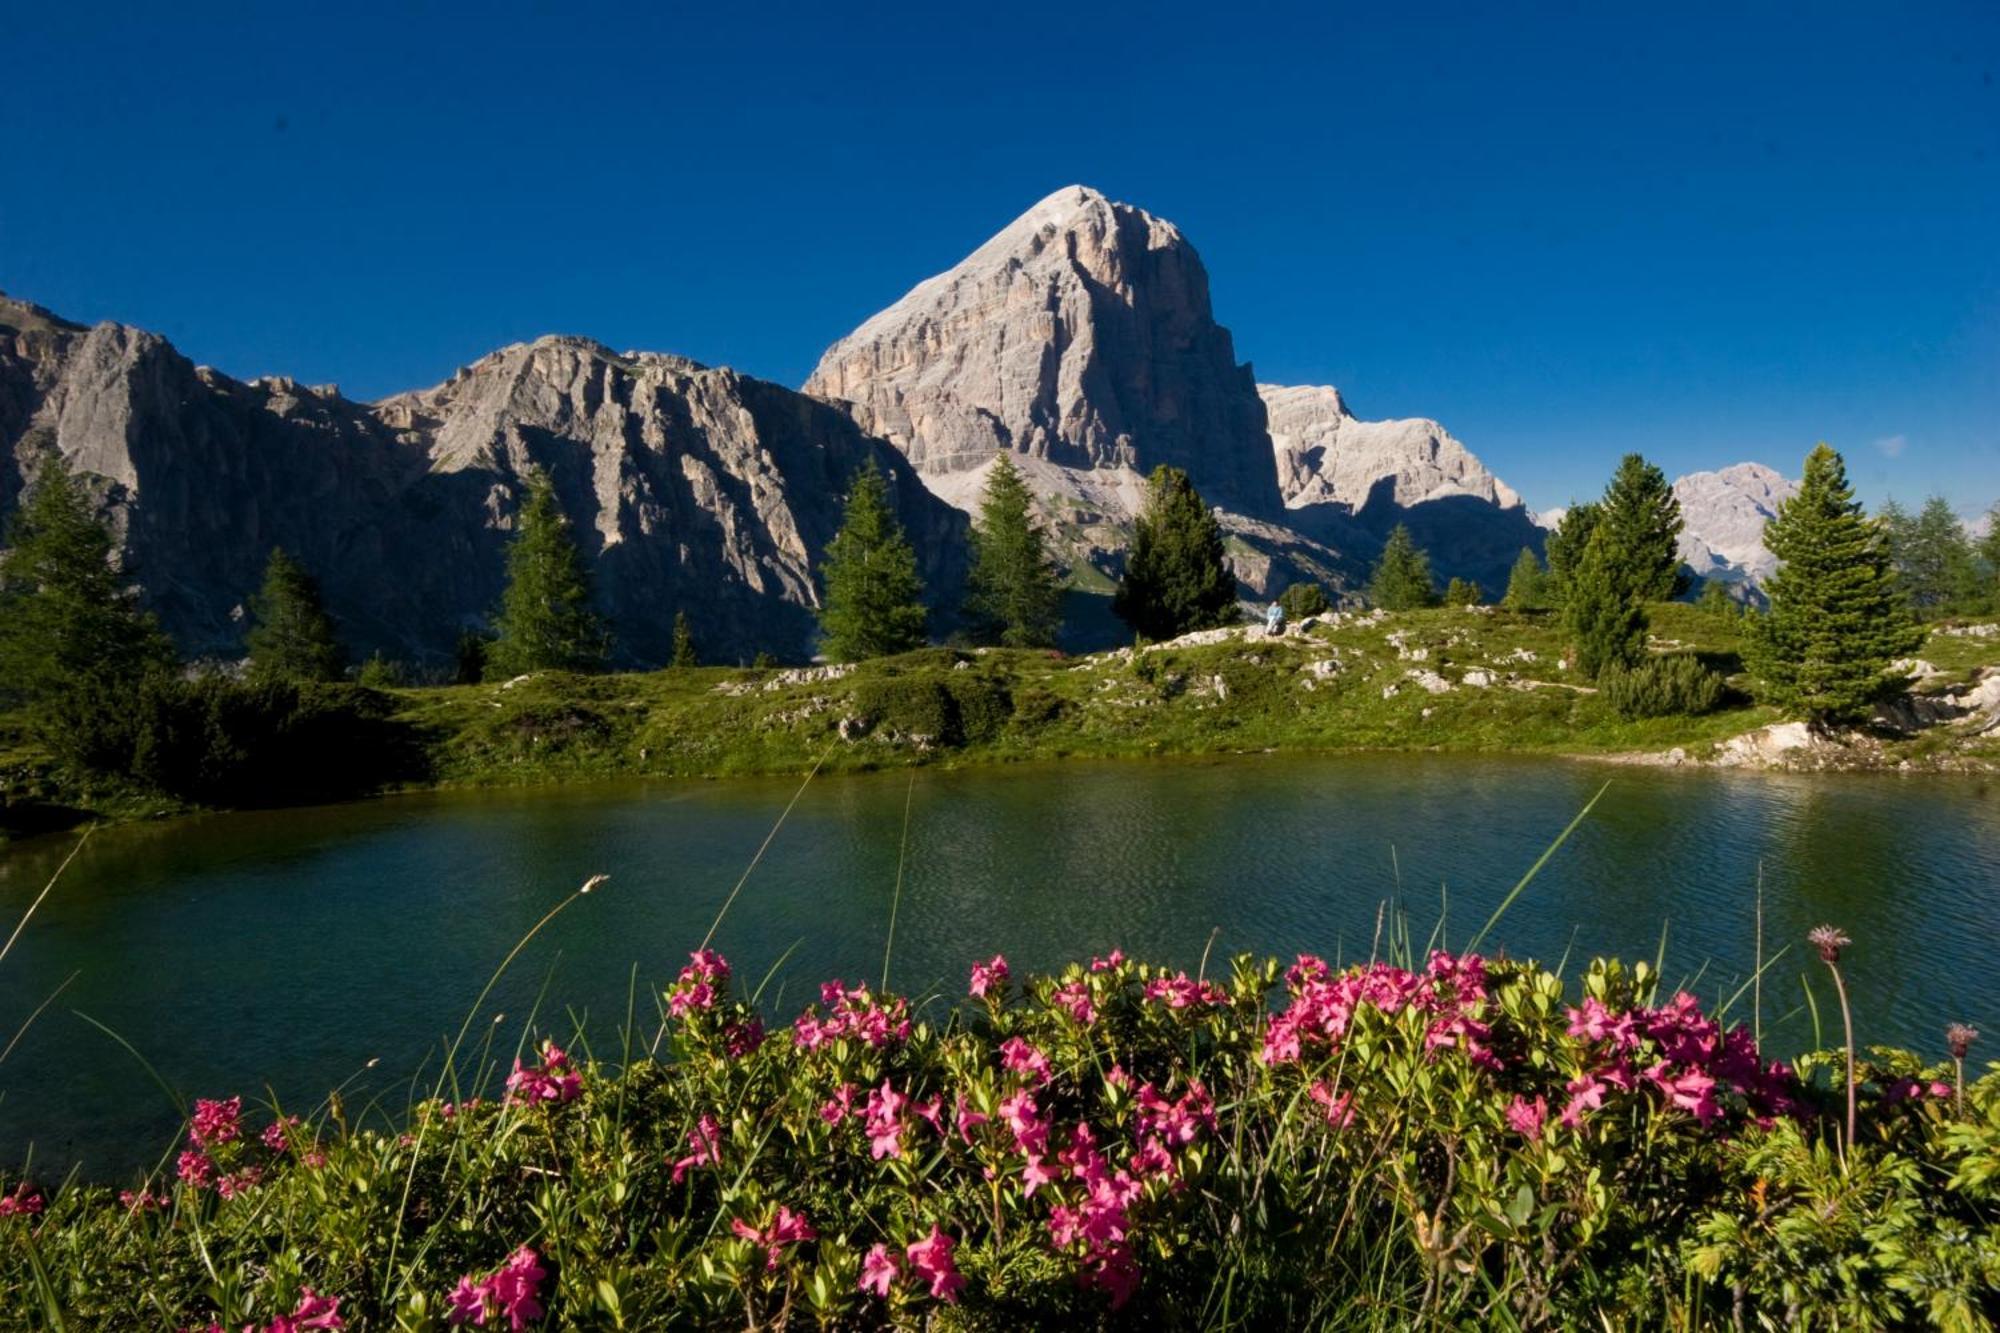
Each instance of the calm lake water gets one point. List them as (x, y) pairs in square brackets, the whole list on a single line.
[(283, 951)]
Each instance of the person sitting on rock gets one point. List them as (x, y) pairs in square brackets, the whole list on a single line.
[(1274, 620)]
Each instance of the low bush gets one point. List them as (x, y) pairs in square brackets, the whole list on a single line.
[(1455, 1143), (1678, 685), (950, 707)]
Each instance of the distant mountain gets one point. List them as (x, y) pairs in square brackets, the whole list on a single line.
[(1081, 339), (691, 488), (1724, 514)]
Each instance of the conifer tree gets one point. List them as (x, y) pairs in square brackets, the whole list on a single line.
[(1463, 592), (1176, 579), (1606, 622), (685, 654), (1643, 519), (1527, 584), (873, 603), (1300, 600), (291, 636), (1566, 546), (1402, 579), (71, 634), (1715, 599), (1934, 559), (1014, 591), (545, 621), (1837, 617)]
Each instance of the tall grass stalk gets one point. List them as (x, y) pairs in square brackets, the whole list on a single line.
[(902, 856), (765, 846)]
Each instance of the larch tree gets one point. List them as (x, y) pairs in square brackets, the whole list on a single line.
[(1176, 579), (873, 596), (291, 636), (1014, 590), (1838, 617), (546, 621)]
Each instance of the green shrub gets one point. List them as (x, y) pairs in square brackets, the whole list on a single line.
[(1679, 685), (982, 703), (912, 704), (1037, 706), (1302, 600)]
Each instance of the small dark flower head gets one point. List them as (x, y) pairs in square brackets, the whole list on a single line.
[(1958, 1039), (1829, 940)]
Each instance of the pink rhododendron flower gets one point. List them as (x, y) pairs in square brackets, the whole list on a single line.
[(1181, 991), (967, 1119), (786, 1228), (882, 1119), (1339, 1110), (880, 1268), (706, 1140), (1036, 1174), (20, 1203), (512, 1292), (839, 1106), (554, 1081), (1074, 999), (1018, 1057), (852, 1013), (312, 1312), (741, 1038), (930, 1259), (1116, 958), (989, 977), (1526, 1117), (1031, 1130), (216, 1122), (276, 1135), (196, 1169), (239, 1182)]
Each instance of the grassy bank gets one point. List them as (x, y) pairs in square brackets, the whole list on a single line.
[(1445, 1140), (1467, 680)]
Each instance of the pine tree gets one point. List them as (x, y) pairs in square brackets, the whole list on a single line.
[(1566, 546), (1176, 580), (1643, 519), (1715, 599), (291, 636), (1014, 591), (684, 649), (1837, 617), (71, 632), (1463, 592), (873, 603), (1402, 579), (1527, 585), (1300, 600), (545, 621), (1606, 621), (1934, 559)]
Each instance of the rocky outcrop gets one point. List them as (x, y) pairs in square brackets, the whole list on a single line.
[(1724, 514), (1325, 455), (691, 489)]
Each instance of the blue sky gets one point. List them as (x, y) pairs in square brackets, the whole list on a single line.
[(1566, 231)]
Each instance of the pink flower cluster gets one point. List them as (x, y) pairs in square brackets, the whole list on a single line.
[(216, 1122), (929, 1260), (706, 1140), (312, 1312), (785, 1228), (1450, 992), (1686, 1059), (512, 1292), (1074, 998), (885, 1116), (1020, 1057), (554, 1081), (1905, 1089), (20, 1203), (702, 982), (989, 978), (1181, 991), (852, 1013)]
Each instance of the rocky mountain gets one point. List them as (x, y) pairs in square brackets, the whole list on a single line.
[(1724, 514), (691, 488), (1081, 339), (1352, 481)]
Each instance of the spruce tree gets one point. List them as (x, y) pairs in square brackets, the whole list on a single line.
[(1837, 617), (1643, 519), (291, 636), (1527, 584), (72, 637), (1014, 591), (1176, 580), (1300, 600), (873, 603), (1606, 621), (1463, 592), (545, 622), (1715, 599), (1402, 579), (1566, 546), (1934, 559), (684, 649)]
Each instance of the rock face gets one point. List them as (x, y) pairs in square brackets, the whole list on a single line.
[(1724, 514), (1080, 335), (690, 488), (1327, 456), (1351, 482)]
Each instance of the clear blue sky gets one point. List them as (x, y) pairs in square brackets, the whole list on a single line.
[(1710, 234)]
